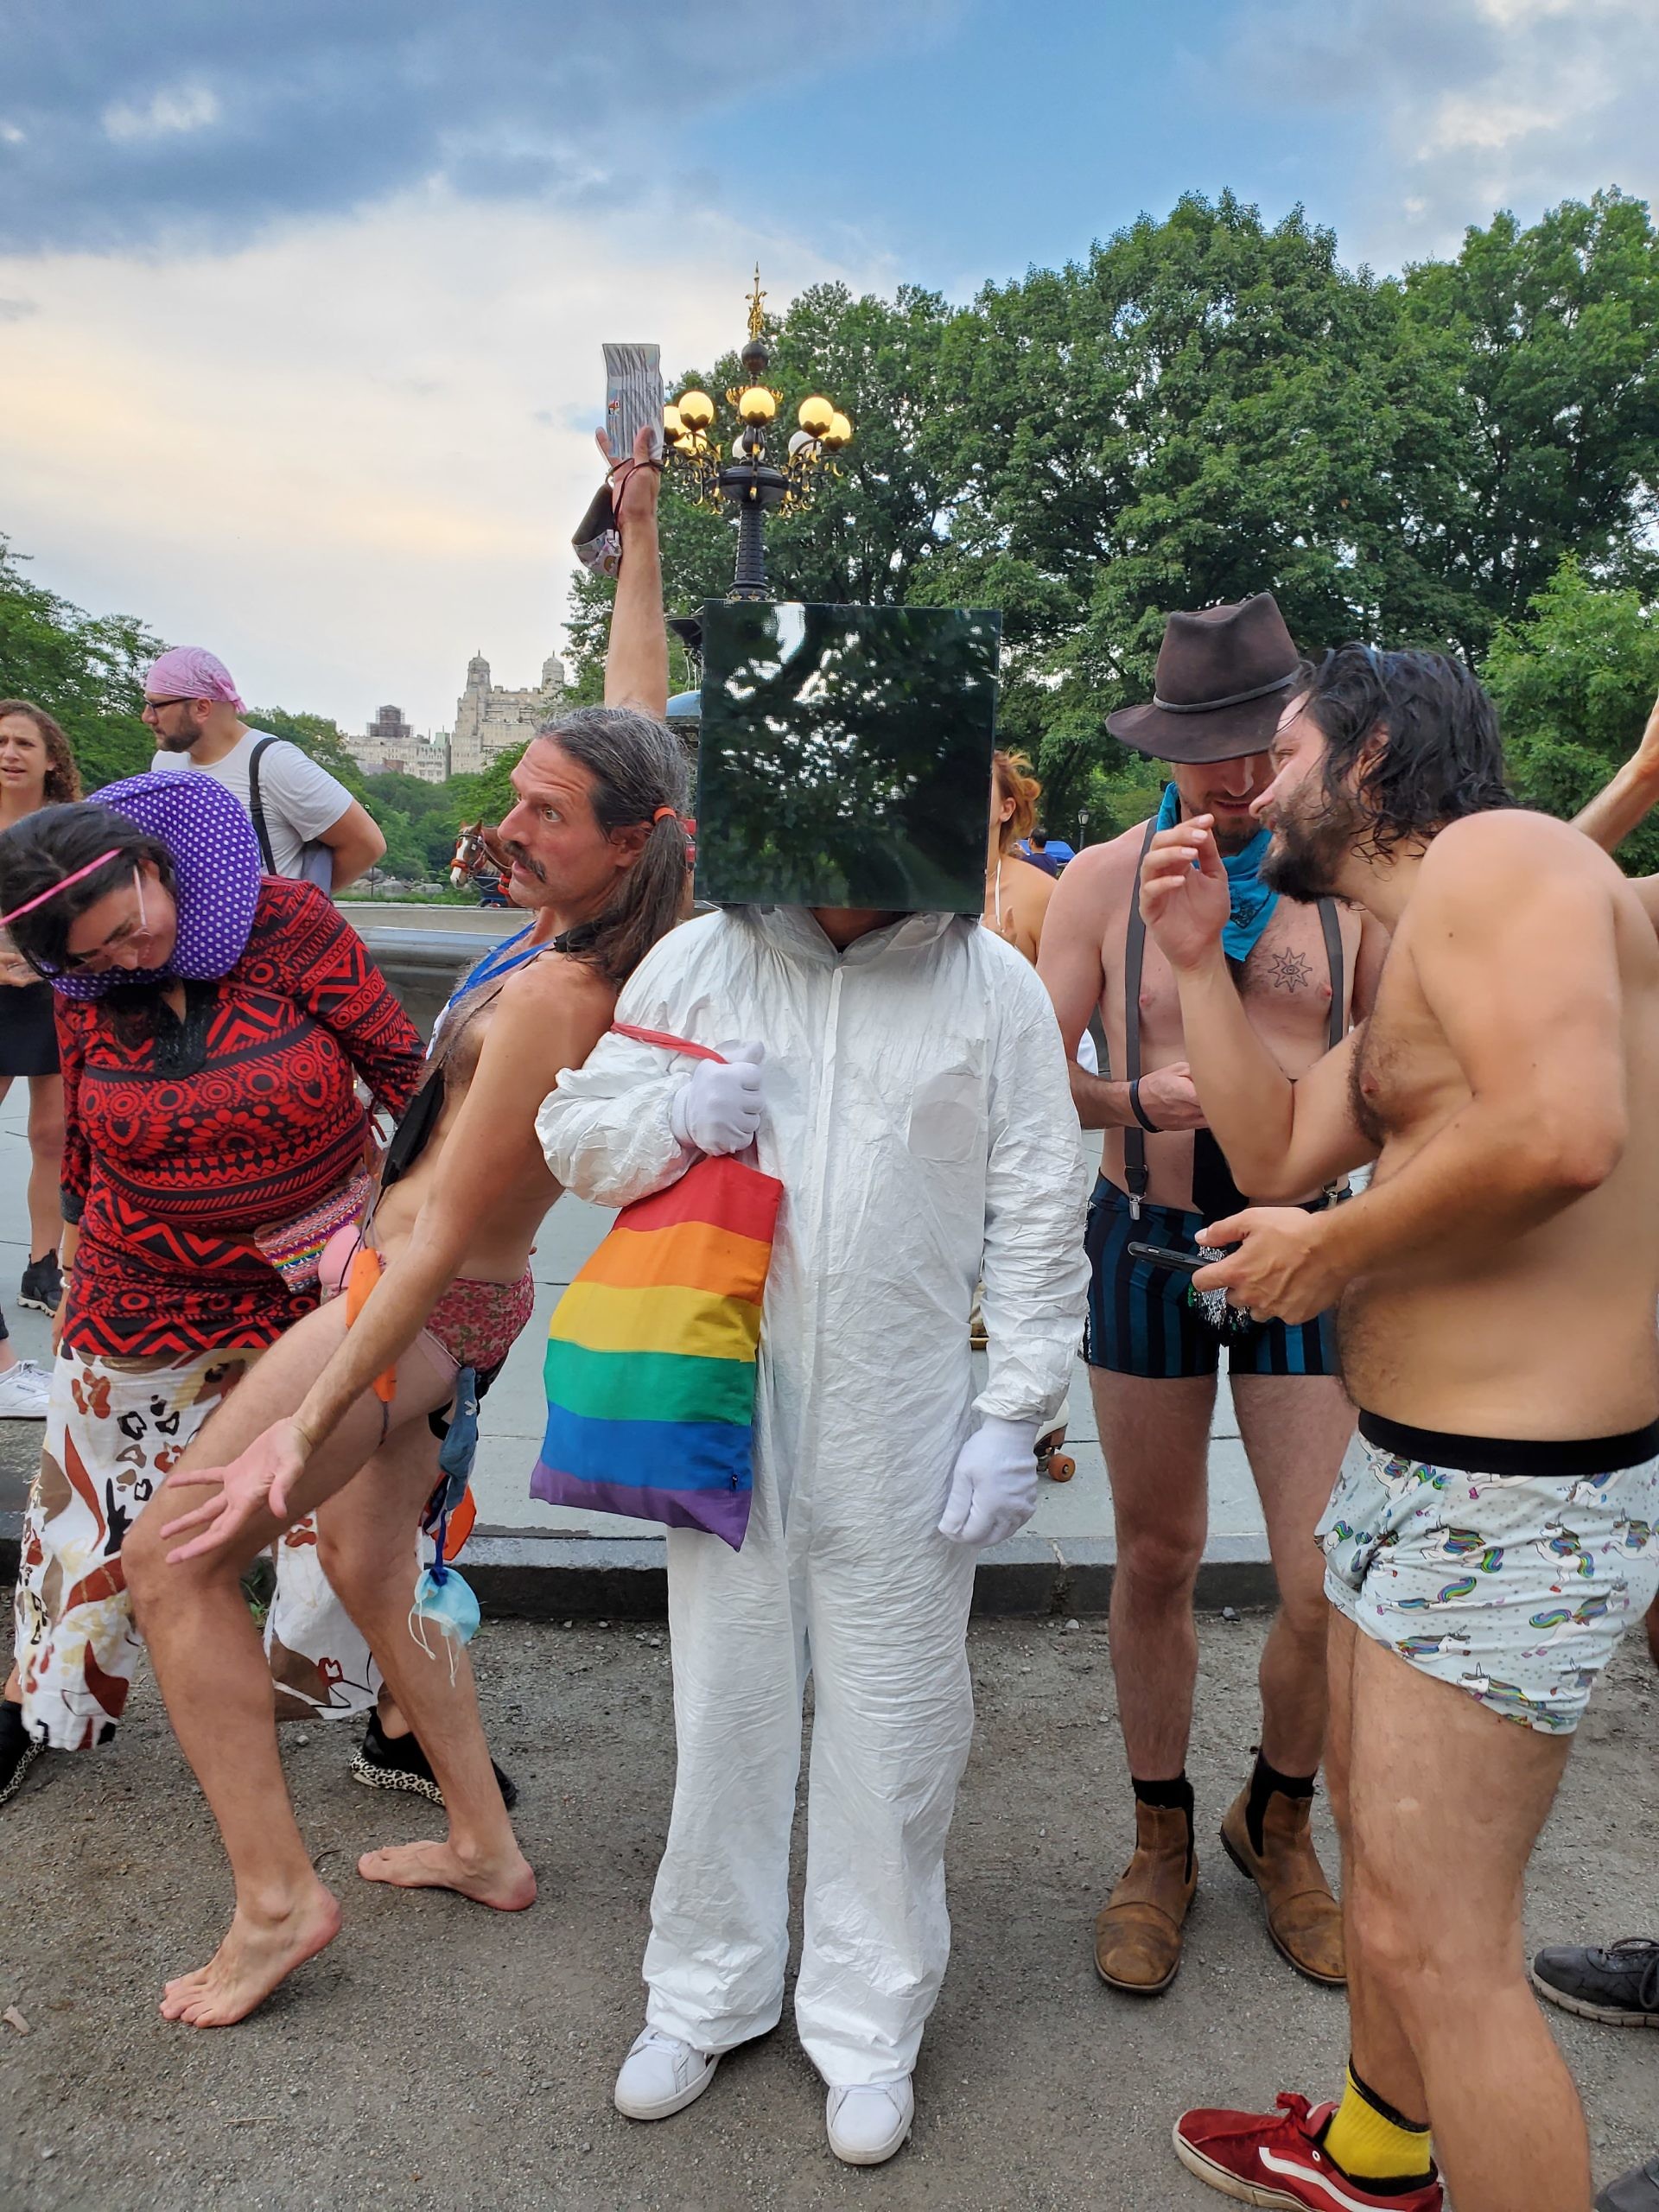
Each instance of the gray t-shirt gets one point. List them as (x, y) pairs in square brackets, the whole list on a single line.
[(300, 799)]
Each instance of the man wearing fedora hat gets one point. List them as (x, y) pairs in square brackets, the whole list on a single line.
[(1224, 675)]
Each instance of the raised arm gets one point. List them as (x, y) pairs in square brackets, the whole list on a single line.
[(1283, 1139), (636, 664), (1625, 803), (1097, 887), (1514, 949)]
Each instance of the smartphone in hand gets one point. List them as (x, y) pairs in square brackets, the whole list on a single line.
[(633, 398), (1185, 1263)]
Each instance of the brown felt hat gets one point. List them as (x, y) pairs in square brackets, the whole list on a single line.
[(1224, 675)]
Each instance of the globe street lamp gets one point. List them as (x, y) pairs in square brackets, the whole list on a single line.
[(748, 482)]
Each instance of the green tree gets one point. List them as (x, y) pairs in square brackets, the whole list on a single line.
[(1573, 684), (322, 737), (874, 525), (1206, 408), (87, 669), (434, 813), (1555, 330)]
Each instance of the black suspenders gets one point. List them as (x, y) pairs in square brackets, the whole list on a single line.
[(1134, 952)]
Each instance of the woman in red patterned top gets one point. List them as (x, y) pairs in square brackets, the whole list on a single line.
[(211, 1043)]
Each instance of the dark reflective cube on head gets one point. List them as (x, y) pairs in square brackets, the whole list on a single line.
[(845, 756)]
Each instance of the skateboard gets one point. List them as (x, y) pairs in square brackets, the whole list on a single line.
[(1059, 1466)]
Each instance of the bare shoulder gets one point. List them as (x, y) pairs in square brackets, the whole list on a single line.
[(1513, 842), (1101, 878), (556, 1004)]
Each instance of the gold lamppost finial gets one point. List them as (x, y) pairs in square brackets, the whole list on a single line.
[(746, 481)]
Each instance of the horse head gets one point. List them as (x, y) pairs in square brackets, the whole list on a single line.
[(478, 852)]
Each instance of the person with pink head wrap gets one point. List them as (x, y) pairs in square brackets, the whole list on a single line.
[(307, 822), (191, 672)]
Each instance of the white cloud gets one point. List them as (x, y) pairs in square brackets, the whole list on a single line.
[(1461, 122), (1454, 108), (347, 456), (176, 109), (11, 136)]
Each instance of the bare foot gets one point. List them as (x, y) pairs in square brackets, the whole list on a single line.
[(255, 1956), (508, 1884)]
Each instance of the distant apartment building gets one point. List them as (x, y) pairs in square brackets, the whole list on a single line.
[(491, 720), (390, 745)]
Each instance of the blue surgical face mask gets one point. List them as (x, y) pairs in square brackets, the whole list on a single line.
[(443, 1599)]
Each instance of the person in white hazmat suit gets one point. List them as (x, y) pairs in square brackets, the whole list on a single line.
[(902, 1075), (913, 1101)]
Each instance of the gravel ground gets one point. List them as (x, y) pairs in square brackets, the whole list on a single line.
[(439, 2056)]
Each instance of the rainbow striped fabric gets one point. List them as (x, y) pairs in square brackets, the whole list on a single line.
[(651, 1358)]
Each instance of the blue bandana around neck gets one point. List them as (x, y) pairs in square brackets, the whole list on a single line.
[(1253, 902)]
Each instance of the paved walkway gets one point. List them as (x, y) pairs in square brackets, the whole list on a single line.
[(1073, 1515), (439, 2058)]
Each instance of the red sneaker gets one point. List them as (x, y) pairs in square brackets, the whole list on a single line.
[(1275, 2158)]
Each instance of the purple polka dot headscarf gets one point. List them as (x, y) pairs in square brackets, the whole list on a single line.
[(216, 861)]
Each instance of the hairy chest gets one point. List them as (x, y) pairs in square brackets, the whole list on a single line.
[(1404, 1072)]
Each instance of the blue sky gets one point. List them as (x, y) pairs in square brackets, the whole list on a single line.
[(300, 306)]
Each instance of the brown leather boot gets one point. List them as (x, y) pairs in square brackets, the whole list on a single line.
[(1138, 1933), (1304, 1919)]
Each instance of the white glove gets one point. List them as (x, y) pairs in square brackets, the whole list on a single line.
[(717, 1108), (993, 1486)]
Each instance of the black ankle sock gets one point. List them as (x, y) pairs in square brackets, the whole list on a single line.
[(1263, 1783), (1170, 1797)]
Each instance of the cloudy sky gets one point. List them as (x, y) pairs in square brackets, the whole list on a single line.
[(301, 305)]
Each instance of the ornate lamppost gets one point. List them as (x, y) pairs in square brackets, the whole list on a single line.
[(748, 482)]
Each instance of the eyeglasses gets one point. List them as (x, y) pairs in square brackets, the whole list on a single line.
[(155, 706), (135, 926)]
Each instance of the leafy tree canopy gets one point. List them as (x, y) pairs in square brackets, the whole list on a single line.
[(88, 671), (1205, 406), (1573, 683)]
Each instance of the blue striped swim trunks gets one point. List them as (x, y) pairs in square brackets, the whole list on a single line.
[(1140, 1320)]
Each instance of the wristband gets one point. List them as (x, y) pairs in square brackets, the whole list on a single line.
[(1139, 1111)]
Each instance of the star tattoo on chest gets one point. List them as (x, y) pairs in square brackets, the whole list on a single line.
[(1289, 971)]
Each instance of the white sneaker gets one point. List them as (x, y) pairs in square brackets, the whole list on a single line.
[(868, 2124), (24, 1390), (661, 2075)]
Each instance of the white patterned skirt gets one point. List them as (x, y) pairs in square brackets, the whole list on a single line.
[(115, 1428)]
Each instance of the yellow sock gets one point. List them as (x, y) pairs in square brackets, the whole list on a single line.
[(1369, 2145)]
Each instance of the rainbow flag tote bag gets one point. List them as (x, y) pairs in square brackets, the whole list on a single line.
[(650, 1352)]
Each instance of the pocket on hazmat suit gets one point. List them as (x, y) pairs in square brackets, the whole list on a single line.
[(947, 1115)]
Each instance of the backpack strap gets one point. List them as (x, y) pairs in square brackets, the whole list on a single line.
[(1134, 953), (256, 807)]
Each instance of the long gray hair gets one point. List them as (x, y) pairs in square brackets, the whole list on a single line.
[(637, 767)]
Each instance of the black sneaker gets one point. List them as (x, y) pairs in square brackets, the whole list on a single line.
[(18, 1750), (1635, 2191), (385, 1762), (42, 1284), (1620, 1985)]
